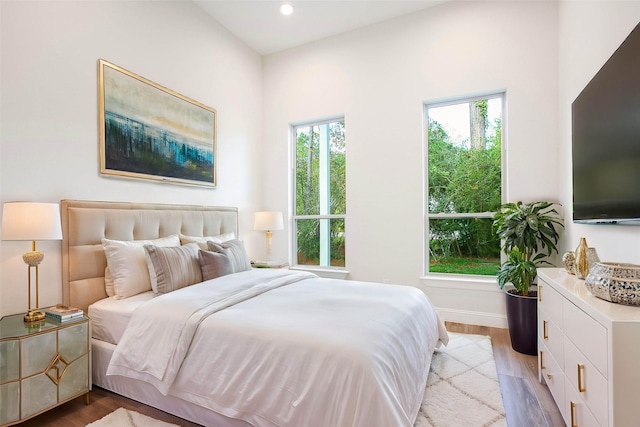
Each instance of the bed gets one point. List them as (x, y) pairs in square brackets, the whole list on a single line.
[(257, 347)]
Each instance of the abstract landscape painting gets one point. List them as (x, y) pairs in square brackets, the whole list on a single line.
[(151, 132)]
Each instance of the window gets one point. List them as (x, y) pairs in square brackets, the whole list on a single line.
[(464, 185), (319, 193)]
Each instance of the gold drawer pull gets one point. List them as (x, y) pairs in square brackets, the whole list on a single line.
[(539, 293), (573, 415), (550, 376), (581, 387), (542, 367), (545, 332)]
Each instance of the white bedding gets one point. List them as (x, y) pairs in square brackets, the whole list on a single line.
[(278, 348), (110, 316)]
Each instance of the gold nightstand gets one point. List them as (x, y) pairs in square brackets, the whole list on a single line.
[(42, 365)]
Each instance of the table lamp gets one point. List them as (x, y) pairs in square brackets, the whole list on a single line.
[(31, 221), (268, 221)]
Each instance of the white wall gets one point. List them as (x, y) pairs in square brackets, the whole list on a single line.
[(590, 31), (379, 78), (49, 101)]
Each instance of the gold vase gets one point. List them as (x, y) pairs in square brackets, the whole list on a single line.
[(582, 259)]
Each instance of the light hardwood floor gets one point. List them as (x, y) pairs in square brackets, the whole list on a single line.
[(527, 402)]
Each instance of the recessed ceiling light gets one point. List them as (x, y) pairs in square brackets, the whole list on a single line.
[(286, 9)]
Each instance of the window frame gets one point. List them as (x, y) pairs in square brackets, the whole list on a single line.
[(293, 127), (502, 94)]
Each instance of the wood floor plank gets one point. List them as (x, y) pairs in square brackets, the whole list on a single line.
[(548, 405), (521, 403)]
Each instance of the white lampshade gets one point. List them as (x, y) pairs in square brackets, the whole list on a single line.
[(31, 221), (268, 221)]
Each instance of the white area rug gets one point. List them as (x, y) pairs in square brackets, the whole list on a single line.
[(463, 388), (122, 417)]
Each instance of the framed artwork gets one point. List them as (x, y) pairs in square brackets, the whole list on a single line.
[(150, 132)]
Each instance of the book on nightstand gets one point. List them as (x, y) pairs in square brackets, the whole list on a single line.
[(62, 313), (269, 264)]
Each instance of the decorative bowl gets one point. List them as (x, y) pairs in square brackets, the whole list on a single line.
[(615, 282)]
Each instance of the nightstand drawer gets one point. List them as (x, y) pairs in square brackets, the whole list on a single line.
[(72, 341), (38, 393), (10, 398), (37, 352), (9, 361)]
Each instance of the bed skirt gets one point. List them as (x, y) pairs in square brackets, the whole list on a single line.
[(146, 393)]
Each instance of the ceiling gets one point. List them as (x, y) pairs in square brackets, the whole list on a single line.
[(260, 25)]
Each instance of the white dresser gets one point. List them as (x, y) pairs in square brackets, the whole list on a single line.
[(588, 353)]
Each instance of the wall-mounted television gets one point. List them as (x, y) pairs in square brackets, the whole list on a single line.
[(606, 140)]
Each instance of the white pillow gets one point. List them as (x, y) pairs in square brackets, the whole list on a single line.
[(127, 264), (108, 282), (202, 241)]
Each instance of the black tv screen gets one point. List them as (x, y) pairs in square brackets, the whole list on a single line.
[(606, 140)]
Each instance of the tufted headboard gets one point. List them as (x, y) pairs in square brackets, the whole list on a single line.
[(85, 223)]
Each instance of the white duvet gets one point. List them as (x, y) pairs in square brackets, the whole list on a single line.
[(280, 348)]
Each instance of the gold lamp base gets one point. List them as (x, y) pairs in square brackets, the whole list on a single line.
[(34, 316), (33, 259)]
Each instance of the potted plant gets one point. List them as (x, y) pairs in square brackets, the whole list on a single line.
[(529, 233)]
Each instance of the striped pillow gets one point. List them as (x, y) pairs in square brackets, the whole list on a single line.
[(175, 267)]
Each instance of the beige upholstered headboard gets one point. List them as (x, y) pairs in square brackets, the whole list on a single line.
[(85, 223)]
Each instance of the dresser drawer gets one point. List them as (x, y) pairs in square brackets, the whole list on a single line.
[(553, 376), (578, 411), (589, 336), (551, 335), (550, 301), (585, 379)]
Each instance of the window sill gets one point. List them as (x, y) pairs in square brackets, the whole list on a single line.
[(461, 282), (329, 273)]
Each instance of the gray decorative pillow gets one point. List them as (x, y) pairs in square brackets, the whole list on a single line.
[(239, 258), (215, 264), (175, 267)]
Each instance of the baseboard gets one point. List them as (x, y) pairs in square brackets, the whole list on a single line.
[(472, 317)]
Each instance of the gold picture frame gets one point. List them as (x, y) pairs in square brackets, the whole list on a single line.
[(150, 132)]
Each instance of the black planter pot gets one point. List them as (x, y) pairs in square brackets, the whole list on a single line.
[(522, 318)]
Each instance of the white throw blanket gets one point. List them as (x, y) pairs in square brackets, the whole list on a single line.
[(279, 348)]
